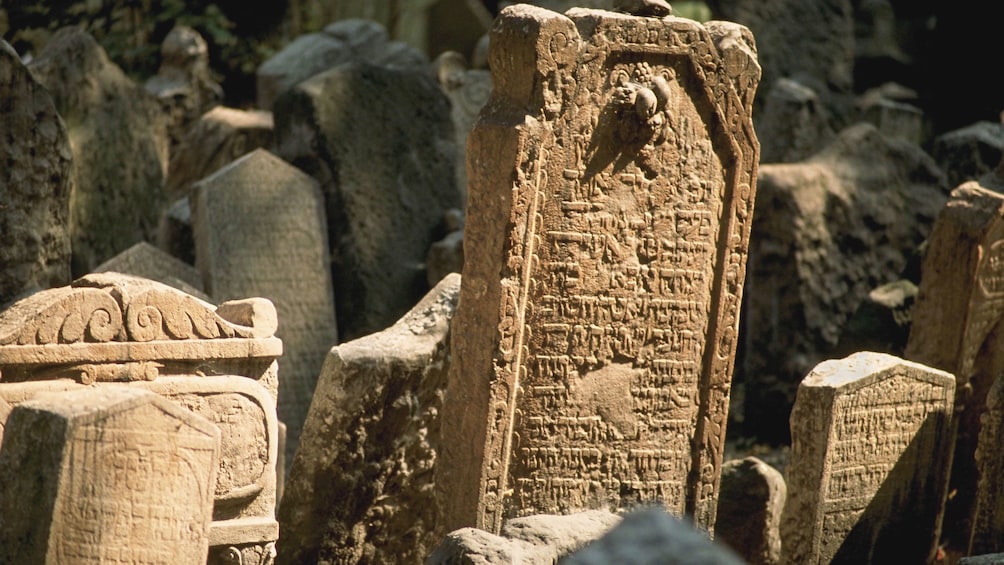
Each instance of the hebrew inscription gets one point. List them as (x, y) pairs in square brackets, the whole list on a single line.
[(868, 472), (629, 194)]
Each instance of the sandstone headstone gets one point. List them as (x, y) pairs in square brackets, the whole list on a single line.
[(106, 475), (34, 184), (385, 190), (828, 230), (957, 327), (145, 260), (611, 186), (120, 147), (360, 489), (750, 503), (218, 362), (896, 119), (219, 137), (259, 229), (868, 474)]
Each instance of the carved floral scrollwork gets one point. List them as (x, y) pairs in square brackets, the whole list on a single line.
[(111, 307)]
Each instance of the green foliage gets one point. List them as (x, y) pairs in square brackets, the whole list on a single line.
[(131, 31)]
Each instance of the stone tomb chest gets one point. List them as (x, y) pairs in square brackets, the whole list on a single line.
[(218, 362)]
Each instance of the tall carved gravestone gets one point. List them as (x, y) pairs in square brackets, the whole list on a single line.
[(612, 176), (867, 479), (957, 327), (219, 362), (107, 475), (260, 230)]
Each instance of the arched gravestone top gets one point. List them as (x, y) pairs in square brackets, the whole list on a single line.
[(611, 182)]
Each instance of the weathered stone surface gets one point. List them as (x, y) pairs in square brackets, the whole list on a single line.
[(218, 362), (34, 184), (750, 503), (611, 186), (184, 84), (119, 142), (174, 233), (146, 261), (103, 475), (988, 505), (970, 152), (385, 191), (652, 535), (957, 328), (219, 137), (895, 119), (827, 231), (344, 41), (259, 228), (868, 475), (531, 540), (360, 489)]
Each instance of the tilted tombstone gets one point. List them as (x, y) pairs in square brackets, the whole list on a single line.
[(957, 327), (361, 482), (612, 176), (106, 475), (868, 474), (120, 146), (260, 230), (219, 362), (385, 188), (34, 184)]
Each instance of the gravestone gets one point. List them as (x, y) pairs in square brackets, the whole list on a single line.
[(750, 503), (868, 474), (988, 506), (611, 178), (119, 143), (145, 260), (219, 362), (362, 480), (34, 184), (970, 152), (957, 327), (219, 137), (828, 230), (106, 475), (259, 229), (385, 191)]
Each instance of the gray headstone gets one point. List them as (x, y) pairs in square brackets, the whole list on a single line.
[(120, 147), (385, 188), (259, 229), (34, 184)]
